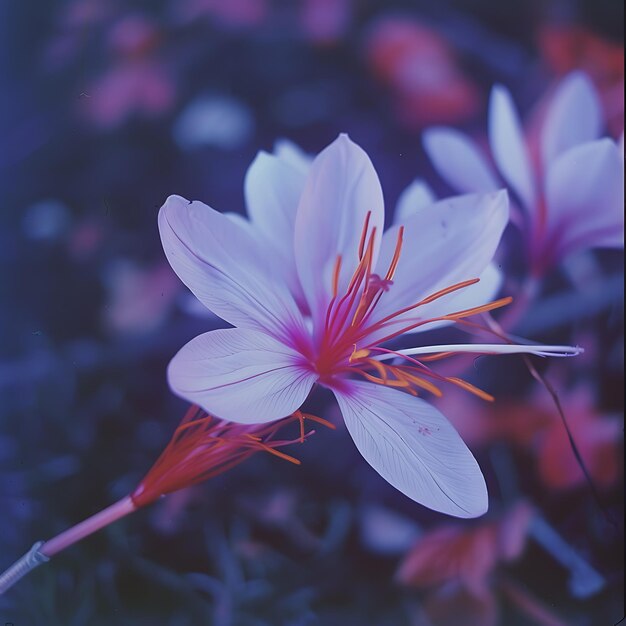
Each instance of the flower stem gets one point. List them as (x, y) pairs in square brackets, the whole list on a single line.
[(529, 605), (89, 526), (22, 566), (42, 551)]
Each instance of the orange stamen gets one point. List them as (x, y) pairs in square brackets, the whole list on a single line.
[(275, 452), (358, 354), (490, 306), (396, 255), (319, 420), (336, 272), (459, 382), (364, 234), (437, 357), (431, 298), (424, 384)]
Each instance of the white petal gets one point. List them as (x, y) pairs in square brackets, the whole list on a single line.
[(508, 146), (414, 198), (294, 155), (585, 197), (273, 187), (480, 293), (240, 375), (444, 244), (573, 117), (226, 269), (414, 447), (240, 220), (459, 161), (341, 189)]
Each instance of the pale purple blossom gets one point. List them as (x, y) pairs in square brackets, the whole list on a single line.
[(314, 287), (570, 186)]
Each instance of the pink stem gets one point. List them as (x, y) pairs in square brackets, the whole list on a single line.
[(521, 302), (87, 527), (529, 605)]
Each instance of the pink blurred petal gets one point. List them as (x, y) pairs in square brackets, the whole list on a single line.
[(451, 553), (325, 21), (140, 299), (420, 68), (597, 437)]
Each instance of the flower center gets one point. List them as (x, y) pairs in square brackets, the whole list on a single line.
[(352, 334)]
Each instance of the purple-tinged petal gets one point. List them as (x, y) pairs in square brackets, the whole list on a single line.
[(444, 244), (241, 221), (226, 269), (272, 188), (585, 197), (459, 161), (240, 375), (342, 187), (414, 198), (484, 291), (413, 447), (291, 153), (508, 146), (573, 117)]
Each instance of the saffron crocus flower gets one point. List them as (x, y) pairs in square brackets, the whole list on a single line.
[(324, 318), (571, 188)]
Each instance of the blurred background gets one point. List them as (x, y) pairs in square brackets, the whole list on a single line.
[(108, 107)]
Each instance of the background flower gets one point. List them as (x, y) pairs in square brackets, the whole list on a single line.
[(570, 186)]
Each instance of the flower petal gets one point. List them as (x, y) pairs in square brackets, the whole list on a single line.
[(272, 188), (414, 198), (458, 160), (342, 187), (226, 269), (413, 447), (240, 375), (291, 153), (508, 146), (446, 243), (573, 117), (585, 197)]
